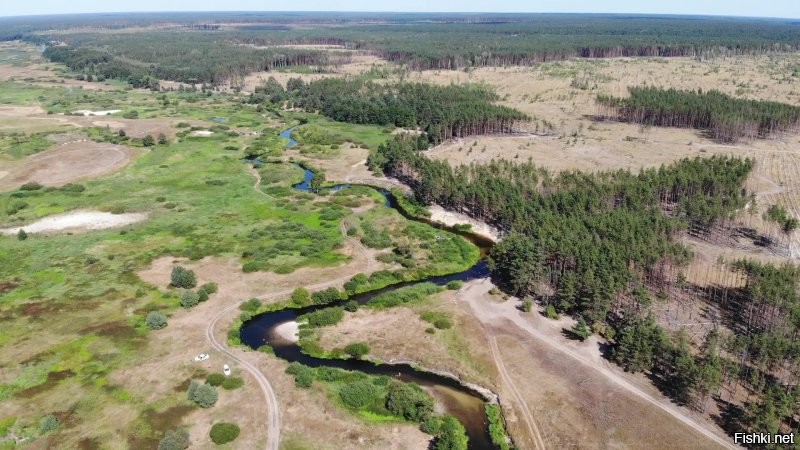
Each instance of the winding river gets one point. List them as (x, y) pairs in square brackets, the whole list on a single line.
[(464, 403)]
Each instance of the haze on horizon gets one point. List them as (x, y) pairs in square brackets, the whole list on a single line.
[(747, 8)]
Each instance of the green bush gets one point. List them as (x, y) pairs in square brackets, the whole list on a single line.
[(452, 435), (189, 299), (231, 383), (48, 423), (455, 285), (155, 320), (303, 375), (301, 297), (403, 295), (177, 439), (409, 401), (431, 425), (22, 235), (204, 395), (251, 305), (324, 317), (357, 350), (527, 305), (329, 295), (182, 278), (30, 186), (549, 310), (215, 379), (209, 288), (223, 432), (497, 430), (351, 306), (359, 394), (443, 323)]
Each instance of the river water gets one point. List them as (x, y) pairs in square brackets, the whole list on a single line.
[(460, 401)]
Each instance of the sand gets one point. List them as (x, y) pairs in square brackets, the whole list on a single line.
[(89, 112), (451, 218), (202, 133), (288, 331), (78, 220)]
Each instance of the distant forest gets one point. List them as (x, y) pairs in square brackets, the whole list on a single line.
[(217, 47), (725, 118)]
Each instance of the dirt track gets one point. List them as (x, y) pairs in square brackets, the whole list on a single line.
[(501, 315)]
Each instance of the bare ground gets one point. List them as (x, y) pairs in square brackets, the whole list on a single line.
[(66, 163), (398, 334), (578, 399)]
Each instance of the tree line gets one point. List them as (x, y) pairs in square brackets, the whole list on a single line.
[(442, 112), (189, 57), (725, 118)]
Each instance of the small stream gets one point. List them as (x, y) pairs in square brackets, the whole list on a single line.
[(458, 400)]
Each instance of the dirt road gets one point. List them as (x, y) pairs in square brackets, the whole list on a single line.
[(503, 313)]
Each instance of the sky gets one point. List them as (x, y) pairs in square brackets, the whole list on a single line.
[(754, 8)]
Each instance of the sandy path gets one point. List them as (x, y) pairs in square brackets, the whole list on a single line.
[(502, 313), (273, 411), (529, 421)]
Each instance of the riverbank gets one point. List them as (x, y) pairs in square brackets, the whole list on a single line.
[(451, 219)]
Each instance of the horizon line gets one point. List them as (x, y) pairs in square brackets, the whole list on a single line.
[(405, 12)]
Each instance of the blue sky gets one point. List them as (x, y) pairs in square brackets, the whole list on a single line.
[(763, 8)]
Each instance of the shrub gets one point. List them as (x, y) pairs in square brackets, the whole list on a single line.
[(22, 235), (303, 375), (549, 310), (443, 323), (409, 401), (48, 423), (133, 114), (223, 432), (177, 439), (162, 139), (182, 278), (359, 394), (527, 305), (189, 299), (351, 306), (357, 350), (155, 320), (251, 305), (215, 379), (204, 395), (301, 297), (209, 288), (231, 383), (431, 425), (452, 435), (497, 431), (329, 295), (455, 285), (148, 141), (30, 186), (202, 295), (325, 317)]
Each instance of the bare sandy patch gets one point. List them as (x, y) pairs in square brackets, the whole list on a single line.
[(89, 112), (202, 133), (66, 163), (451, 218), (289, 331), (78, 220)]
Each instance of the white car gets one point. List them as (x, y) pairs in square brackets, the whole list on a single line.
[(202, 357), (226, 370)]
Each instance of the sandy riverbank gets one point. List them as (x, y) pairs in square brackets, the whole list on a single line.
[(451, 218)]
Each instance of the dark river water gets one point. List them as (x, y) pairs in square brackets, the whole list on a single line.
[(461, 402)]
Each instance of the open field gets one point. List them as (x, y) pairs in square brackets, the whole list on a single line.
[(66, 163)]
